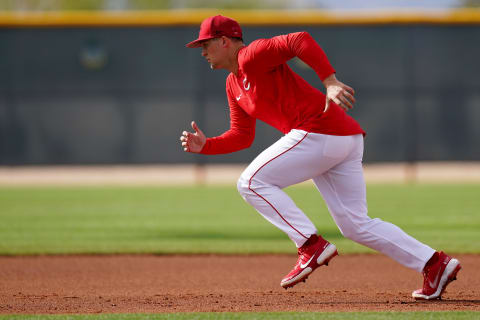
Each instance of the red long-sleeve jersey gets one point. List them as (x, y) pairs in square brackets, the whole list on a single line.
[(266, 88)]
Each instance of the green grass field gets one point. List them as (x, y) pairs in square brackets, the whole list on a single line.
[(459, 315), (216, 219)]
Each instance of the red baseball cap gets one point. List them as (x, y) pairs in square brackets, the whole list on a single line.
[(215, 27)]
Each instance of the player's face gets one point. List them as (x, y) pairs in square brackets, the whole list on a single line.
[(214, 52)]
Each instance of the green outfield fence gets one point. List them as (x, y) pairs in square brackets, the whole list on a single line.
[(105, 88)]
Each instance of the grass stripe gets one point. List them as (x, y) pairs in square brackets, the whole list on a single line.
[(216, 219), (458, 315)]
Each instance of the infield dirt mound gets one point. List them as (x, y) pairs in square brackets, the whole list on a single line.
[(145, 284)]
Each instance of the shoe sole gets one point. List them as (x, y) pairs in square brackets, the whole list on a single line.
[(449, 275), (323, 259)]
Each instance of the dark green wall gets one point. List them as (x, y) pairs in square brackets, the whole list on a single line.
[(124, 95)]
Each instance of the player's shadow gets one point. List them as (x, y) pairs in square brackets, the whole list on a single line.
[(463, 302), (456, 302)]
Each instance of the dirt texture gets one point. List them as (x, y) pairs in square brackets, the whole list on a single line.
[(154, 284)]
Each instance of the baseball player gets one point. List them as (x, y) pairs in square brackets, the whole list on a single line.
[(321, 142)]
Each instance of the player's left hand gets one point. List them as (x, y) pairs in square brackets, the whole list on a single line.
[(339, 93)]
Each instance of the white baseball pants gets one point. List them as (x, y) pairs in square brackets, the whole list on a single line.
[(335, 165)]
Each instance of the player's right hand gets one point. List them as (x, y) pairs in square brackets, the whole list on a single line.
[(193, 142)]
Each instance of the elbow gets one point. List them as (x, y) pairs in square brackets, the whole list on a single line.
[(307, 37), (247, 140), (251, 137), (300, 40), (302, 35)]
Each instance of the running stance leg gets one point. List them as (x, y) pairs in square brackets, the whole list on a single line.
[(295, 158), (343, 189)]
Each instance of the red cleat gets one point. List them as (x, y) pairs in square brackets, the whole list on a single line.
[(437, 276), (313, 254)]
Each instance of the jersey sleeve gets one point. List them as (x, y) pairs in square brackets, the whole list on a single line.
[(269, 53), (240, 135)]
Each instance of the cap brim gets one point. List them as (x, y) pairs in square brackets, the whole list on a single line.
[(197, 43)]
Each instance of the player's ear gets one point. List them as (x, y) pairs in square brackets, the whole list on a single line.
[(225, 41)]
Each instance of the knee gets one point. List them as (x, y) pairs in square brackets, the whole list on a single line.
[(356, 230), (347, 229), (243, 186), (350, 232), (250, 186)]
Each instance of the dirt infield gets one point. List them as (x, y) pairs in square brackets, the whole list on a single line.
[(153, 284)]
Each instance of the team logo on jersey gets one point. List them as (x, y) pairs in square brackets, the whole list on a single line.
[(246, 86)]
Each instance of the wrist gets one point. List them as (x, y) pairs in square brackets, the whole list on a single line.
[(204, 147), (331, 79)]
